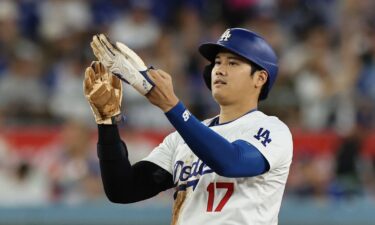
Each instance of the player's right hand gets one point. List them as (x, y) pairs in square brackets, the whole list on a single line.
[(122, 62), (103, 91), (162, 95)]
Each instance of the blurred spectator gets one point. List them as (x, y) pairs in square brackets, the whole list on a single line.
[(22, 182), (59, 18), (311, 177), (313, 77), (348, 178), (22, 94), (23, 185), (136, 27), (73, 166), (8, 22), (67, 101), (366, 81), (29, 18)]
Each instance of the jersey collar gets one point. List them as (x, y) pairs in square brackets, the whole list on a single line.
[(215, 121)]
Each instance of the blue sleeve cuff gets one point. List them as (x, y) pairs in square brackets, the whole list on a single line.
[(177, 112)]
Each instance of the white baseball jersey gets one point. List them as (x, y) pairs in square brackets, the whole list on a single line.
[(204, 197)]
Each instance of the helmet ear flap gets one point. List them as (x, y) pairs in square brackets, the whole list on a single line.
[(207, 74)]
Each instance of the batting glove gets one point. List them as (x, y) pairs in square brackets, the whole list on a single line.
[(122, 62), (104, 94)]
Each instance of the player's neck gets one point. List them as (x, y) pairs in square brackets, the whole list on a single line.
[(232, 112)]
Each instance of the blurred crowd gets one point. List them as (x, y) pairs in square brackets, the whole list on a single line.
[(326, 81)]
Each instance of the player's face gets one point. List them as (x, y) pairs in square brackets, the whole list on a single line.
[(231, 80)]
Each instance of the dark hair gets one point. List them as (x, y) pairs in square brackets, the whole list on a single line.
[(254, 68)]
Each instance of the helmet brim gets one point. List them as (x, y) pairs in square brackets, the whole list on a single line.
[(210, 50)]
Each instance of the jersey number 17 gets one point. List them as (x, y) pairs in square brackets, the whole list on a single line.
[(211, 195)]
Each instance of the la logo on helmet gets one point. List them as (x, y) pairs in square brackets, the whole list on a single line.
[(225, 36)]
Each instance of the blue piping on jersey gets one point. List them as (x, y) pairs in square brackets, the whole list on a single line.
[(236, 159), (215, 121)]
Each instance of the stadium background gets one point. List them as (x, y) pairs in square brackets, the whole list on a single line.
[(325, 92)]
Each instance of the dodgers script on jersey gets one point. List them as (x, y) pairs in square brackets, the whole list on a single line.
[(204, 197)]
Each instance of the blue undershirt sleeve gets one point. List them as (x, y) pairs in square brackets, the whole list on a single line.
[(236, 159)]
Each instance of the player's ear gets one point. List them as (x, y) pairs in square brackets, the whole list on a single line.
[(261, 77)]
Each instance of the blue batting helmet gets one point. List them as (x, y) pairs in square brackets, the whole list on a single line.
[(248, 45)]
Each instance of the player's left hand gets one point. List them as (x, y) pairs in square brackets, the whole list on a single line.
[(103, 91), (162, 95)]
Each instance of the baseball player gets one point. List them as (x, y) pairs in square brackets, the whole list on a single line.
[(230, 169)]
